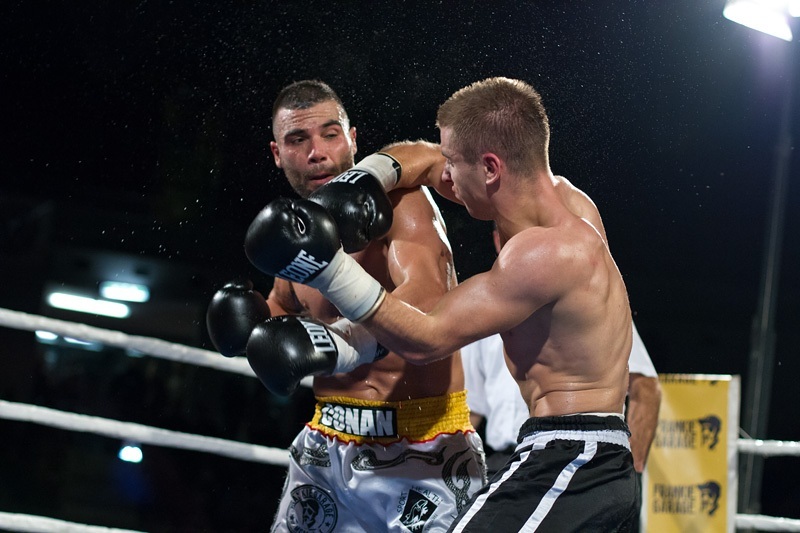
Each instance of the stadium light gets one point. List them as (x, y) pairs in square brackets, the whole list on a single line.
[(766, 16), (127, 292), (84, 304)]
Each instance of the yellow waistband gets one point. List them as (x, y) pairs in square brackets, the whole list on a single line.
[(417, 420)]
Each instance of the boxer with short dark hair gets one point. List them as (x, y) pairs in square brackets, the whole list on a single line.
[(390, 446), (555, 296)]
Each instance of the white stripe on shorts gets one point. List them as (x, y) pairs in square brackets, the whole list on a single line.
[(563, 479), (481, 500), (537, 441)]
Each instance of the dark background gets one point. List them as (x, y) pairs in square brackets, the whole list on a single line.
[(135, 147)]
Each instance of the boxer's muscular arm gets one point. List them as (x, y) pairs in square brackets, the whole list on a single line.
[(418, 257), (643, 406), (422, 163), (298, 240), (523, 279)]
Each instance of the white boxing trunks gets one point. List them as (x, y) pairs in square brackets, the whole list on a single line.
[(382, 466)]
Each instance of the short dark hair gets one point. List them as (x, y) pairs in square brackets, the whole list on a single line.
[(303, 94)]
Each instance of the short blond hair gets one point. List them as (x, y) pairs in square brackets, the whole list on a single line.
[(502, 116)]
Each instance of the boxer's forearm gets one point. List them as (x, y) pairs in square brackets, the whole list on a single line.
[(643, 407), (422, 163)]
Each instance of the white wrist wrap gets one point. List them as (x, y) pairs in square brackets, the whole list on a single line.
[(384, 167), (348, 286), (355, 344)]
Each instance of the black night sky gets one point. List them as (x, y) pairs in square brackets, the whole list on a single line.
[(142, 129)]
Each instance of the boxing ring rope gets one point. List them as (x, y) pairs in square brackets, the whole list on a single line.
[(142, 434), (766, 523), (41, 524), (769, 448), (238, 450), (156, 347)]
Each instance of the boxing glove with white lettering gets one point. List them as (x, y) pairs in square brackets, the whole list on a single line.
[(283, 350), (298, 240), (357, 200)]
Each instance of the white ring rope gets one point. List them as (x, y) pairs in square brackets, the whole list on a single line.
[(769, 448), (238, 450), (41, 524), (149, 345), (142, 434), (766, 523)]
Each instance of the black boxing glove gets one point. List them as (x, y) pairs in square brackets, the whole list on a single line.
[(232, 314), (285, 349), (292, 239), (357, 200), (298, 240)]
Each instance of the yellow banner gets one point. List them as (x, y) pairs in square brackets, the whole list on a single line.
[(690, 480)]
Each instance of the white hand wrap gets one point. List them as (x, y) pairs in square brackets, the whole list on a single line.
[(384, 167), (349, 287), (355, 344)]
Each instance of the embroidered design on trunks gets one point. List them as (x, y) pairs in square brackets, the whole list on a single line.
[(368, 459), (455, 470), (316, 456), (311, 510)]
